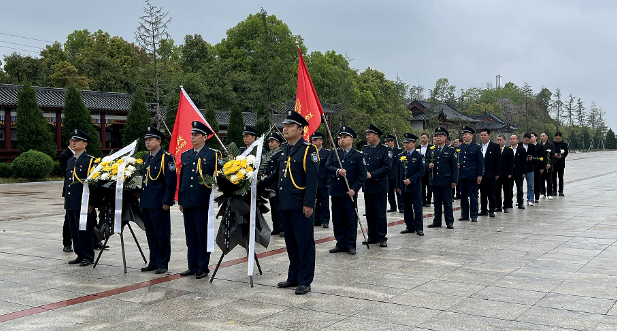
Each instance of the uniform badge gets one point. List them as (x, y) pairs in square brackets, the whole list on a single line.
[(390, 154), (221, 162), (314, 156), (172, 166)]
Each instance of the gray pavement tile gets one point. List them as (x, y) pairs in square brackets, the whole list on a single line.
[(361, 291), (296, 319), (447, 321), (520, 326), (357, 323), (150, 294), (10, 307), (489, 308), (245, 311), (451, 287), (576, 303), (529, 282), (397, 314), (423, 299), (560, 318), (512, 295)]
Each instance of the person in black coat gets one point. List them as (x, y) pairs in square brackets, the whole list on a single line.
[(157, 196), (492, 167), (249, 135), (504, 182), (394, 199), (538, 166), (549, 160), (530, 151), (344, 218), (520, 169), (561, 152), (443, 177), (410, 170), (322, 210), (63, 158), (274, 142)]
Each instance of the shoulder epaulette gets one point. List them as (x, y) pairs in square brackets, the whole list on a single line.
[(190, 149), (308, 143)]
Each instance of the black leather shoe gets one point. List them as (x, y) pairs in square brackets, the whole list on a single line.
[(282, 234), (401, 211), (336, 249), (433, 225), (67, 249), (561, 194), (303, 289), (201, 274), (537, 201), (497, 209), (407, 231), (317, 224), (85, 263), (76, 261), (383, 244), (370, 241), (325, 226), (482, 213), (420, 232), (491, 214), (287, 284), (450, 226), (521, 206), (161, 271), (474, 219), (426, 204), (463, 219), (505, 210), (351, 251), (187, 273), (148, 268), (275, 232)]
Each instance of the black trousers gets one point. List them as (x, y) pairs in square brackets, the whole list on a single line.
[(322, 207), (300, 243), (558, 174), (538, 184), (158, 231), (443, 195), (487, 194), (344, 222), (413, 210), (503, 184), (547, 183), (394, 199), (518, 182), (275, 213), (426, 189), (82, 240), (66, 231), (375, 206)]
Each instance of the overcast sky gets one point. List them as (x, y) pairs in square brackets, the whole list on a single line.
[(565, 44)]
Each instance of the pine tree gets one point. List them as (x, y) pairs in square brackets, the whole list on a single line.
[(77, 116), (137, 121), (236, 127), (214, 124), (611, 140), (32, 130), (263, 119)]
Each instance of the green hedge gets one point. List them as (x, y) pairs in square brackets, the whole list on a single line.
[(32, 165), (56, 171), (5, 170)]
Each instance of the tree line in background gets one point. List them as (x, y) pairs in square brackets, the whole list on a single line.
[(255, 67)]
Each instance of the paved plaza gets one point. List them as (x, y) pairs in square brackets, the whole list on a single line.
[(552, 266)]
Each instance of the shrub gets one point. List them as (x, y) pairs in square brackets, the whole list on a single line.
[(56, 171), (32, 165), (5, 170), (140, 155)]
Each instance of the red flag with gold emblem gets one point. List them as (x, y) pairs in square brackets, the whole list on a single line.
[(181, 136), (307, 102)]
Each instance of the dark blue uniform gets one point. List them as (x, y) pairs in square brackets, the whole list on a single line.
[(275, 213), (297, 172), (412, 168), (471, 167), (343, 209), (194, 199), (158, 189), (443, 175), (322, 210), (394, 198), (492, 168), (378, 162), (77, 170)]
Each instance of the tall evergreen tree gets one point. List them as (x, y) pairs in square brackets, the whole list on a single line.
[(77, 116), (236, 127), (32, 129), (263, 119), (611, 140), (214, 124), (137, 121)]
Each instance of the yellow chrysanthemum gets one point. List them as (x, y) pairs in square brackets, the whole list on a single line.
[(240, 175), (403, 158), (541, 159), (227, 172), (97, 160), (235, 181), (228, 165), (106, 168), (458, 150), (433, 147), (243, 163), (114, 171), (115, 166), (249, 169), (140, 161), (120, 161), (95, 175)]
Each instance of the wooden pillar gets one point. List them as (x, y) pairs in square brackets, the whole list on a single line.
[(102, 120), (59, 129), (7, 128)]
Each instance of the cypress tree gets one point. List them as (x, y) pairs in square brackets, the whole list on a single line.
[(77, 116), (214, 124), (263, 119), (611, 140), (32, 130), (236, 127), (137, 120)]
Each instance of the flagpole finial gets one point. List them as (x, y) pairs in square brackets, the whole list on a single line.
[(181, 86), (297, 44)]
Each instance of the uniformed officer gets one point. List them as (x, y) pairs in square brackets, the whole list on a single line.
[(423, 149), (394, 198), (444, 176), (410, 167), (471, 167), (274, 142), (78, 169), (378, 162), (193, 198), (322, 210), (63, 159), (249, 135), (297, 174), (344, 217), (157, 195)]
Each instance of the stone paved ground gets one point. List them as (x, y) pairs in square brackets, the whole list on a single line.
[(549, 267)]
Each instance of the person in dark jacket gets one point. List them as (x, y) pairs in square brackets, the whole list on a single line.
[(561, 152), (443, 178), (492, 167), (530, 151), (549, 160), (410, 170), (322, 210), (394, 198), (274, 142), (520, 169), (63, 158), (471, 167), (538, 166), (504, 182)]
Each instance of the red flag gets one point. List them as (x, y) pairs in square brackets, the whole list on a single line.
[(307, 102), (181, 137)]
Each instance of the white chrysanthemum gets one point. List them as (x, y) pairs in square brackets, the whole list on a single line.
[(240, 157), (250, 174), (233, 177), (243, 171), (114, 177), (105, 176), (130, 160), (131, 168), (128, 173), (250, 159)]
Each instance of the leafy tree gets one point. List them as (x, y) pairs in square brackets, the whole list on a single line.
[(65, 74), (32, 129), (611, 140), (481, 108), (77, 116), (236, 127), (214, 124), (263, 119), (137, 120), (21, 69), (332, 77)]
